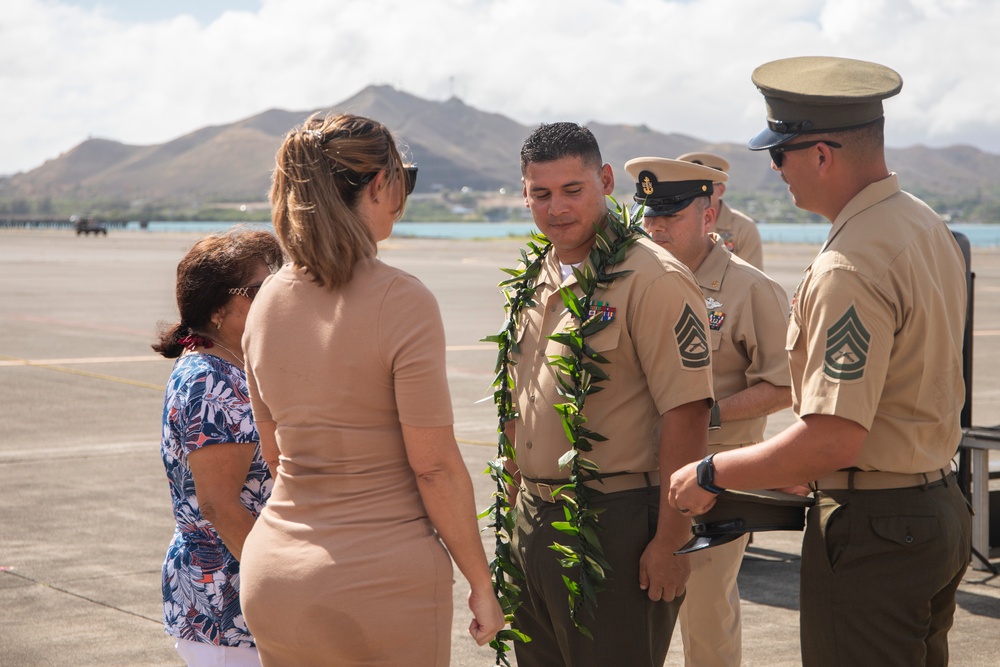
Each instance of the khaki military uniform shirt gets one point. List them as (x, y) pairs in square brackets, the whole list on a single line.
[(747, 320), (876, 330), (740, 235), (657, 349)]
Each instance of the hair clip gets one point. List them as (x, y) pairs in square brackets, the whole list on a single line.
[(317, 135)]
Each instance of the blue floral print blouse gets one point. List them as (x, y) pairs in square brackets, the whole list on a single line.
[(206, 403)]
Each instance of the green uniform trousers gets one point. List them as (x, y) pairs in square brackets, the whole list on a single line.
[(629, 628), (880, 570)]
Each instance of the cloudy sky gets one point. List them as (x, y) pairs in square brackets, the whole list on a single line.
[(147, 71)]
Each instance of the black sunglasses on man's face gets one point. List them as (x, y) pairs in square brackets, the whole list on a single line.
[(778, 152)]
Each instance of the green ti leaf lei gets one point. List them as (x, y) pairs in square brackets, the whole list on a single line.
[(579, 376)]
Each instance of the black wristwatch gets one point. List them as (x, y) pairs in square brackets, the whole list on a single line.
[(714, 419), (706, 475)]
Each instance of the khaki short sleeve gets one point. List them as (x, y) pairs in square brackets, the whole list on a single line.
[(840, 345), (670, 330), (762, 327), (412, 346)]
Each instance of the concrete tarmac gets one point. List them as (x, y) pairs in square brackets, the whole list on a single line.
[(84, 505)]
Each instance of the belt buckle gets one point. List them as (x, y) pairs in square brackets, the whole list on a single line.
[(545, 492)]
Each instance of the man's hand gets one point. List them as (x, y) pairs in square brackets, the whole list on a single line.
[(662, 574), (685, 495)]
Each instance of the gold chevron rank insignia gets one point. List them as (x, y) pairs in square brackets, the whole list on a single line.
[(847, 344), (691, 340)]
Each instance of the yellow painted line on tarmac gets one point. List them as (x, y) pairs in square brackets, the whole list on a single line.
[(52, 365), (466, 441), (14, 361)]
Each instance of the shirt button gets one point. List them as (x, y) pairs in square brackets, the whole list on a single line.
[(553, 308), (532, 398), (909, 539), (528, 444)]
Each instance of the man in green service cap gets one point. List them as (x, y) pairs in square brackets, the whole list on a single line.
[(875, 352)]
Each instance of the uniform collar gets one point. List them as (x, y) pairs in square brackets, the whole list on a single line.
[(713, 268), (873, 194), (551, 274)]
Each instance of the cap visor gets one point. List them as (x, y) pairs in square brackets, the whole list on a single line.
[(769, 139), (707, 541), (653, 210)]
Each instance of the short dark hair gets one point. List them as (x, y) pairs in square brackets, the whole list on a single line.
[(554, 141)]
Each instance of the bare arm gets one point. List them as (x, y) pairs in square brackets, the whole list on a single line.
[(683, 436), (269, 444), (446, 490), (759, 400), (807, 450), (219, 473)]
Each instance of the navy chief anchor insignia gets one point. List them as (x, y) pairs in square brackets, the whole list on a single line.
[(847, 344), (647, 185), (691, 339)]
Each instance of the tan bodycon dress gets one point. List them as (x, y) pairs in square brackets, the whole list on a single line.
[(343, 566)]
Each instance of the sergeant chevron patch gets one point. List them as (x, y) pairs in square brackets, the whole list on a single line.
[(846, 348), (692, 342)]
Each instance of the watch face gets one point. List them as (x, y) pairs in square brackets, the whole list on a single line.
[(706, 475), (706, 472)]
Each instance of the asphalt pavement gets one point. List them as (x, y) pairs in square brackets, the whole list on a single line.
[(84, 505)]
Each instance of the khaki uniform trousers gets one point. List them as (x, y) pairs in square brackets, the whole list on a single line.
[(710, 620), (880, 570), (711, 626), (629, 629)]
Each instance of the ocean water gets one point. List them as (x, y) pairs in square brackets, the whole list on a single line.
[(980, 236)]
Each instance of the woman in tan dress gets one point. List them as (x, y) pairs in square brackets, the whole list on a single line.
[(346, 370)]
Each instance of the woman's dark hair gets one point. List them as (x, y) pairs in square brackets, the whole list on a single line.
[(215, 264)]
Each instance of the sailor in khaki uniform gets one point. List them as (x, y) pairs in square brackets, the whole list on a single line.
[(737, 229), (653, 410), (747, 315), (875, 344)]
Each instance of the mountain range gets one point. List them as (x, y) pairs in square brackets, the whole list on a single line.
[(454, 145)]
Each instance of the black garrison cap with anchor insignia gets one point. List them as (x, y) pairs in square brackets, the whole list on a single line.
[(736, 513), (667, 186), (815, 94)]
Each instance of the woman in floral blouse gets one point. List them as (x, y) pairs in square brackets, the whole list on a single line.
[(219, 481)]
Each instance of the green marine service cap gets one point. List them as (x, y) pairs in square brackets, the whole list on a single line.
[(667, 186), (736, 513), (708, 159), (814, 94)]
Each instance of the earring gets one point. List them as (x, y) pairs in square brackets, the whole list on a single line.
[(218, 325)]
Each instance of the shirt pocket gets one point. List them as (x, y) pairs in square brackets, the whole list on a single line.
[(792, 337), (605, 343), (716, 342)]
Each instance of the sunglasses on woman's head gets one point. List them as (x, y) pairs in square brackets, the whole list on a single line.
[(409, 174), (250, 291)]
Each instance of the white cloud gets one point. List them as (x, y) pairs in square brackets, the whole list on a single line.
[(70, 72)]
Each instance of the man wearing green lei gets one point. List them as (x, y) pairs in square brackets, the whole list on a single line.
[(648, 389)]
